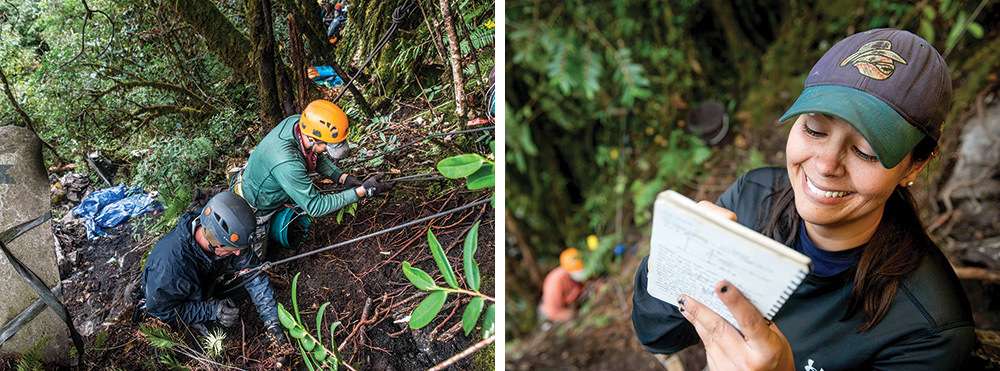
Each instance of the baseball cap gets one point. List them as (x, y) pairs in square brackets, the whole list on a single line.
[(890, 84)]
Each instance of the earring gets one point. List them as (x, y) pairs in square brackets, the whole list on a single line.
[(910, 184)]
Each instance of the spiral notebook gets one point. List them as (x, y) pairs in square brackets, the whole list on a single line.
[(691, 250)]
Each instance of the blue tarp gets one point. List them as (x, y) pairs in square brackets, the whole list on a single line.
[(325, 76), (109, 207)]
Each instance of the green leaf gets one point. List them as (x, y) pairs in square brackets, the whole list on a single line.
[(319, 320), (284, 317), (427, 310), (157, 337), (482, 178), (441, 259), (469, 257), (305, 358), (471, 314), (320, 354), (976, 30), (926, 30), (308, 343), (295, 300), (333, 342), (460, 166), (956, 31), (929, 12), (488, 321), (297, 332), (418, 277)]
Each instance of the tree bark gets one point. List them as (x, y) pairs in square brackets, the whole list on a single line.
[(221, 36), (262, 58), (322, 50), (298, 63), (456, 61)]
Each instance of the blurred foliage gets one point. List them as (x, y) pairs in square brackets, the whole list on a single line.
[(597, 94)]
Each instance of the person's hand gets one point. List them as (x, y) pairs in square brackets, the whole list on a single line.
[(350, 181), (227, 312), (760, 346), (717, 210), (374, 186)]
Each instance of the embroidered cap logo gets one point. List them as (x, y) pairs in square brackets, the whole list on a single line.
[(875, 59)]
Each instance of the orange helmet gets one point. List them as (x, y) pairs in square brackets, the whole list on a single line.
[(322, 120), (570, 260)]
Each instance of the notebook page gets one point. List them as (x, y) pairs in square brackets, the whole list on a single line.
[(691, 251)]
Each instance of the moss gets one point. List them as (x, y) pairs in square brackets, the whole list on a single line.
[(484, 358)]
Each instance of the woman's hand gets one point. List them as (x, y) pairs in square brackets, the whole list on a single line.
[(761, 346)]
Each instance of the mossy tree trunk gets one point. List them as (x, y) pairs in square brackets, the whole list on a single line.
[(262, 57), (221, 36)]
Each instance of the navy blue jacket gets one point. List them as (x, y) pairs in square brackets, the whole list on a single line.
[(178, 274), (928, 327)]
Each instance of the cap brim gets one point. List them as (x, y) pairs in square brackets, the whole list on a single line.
[(889, 134)]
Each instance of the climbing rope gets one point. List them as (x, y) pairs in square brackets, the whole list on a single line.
[(348, 164), (255, 271), (398, 15)]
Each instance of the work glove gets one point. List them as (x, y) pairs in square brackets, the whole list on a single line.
[(374, 186), (352, 181), (227, 312)]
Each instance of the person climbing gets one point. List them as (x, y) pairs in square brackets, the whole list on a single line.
[(181, 273), (335, 18), (562, 287), (277, 172)]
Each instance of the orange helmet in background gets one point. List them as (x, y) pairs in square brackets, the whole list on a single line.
[(570, 260), (324, 121)]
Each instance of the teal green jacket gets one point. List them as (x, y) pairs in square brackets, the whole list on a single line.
[(276, 174)]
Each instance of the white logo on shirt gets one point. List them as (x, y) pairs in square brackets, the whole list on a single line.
[(809, 367)]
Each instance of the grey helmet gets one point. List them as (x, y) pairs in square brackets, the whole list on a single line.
[(230, 219)]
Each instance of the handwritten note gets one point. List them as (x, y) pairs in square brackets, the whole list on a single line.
[(692, 250)]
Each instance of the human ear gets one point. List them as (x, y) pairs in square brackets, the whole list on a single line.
[(913, 173)]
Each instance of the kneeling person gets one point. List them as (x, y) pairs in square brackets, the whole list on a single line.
[(181, 272)]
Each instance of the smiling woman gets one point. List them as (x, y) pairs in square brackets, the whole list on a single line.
[(880, 294)]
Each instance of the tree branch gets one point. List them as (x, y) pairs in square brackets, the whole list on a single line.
[(24, 115), (456, 61), (463, 354)]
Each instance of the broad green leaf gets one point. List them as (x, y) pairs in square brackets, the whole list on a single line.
[(295, 300), (471, 314), (308, 344), (469, 257), (488, 321), (333, 362), (319, 321), (305, 358), (482, 178), (441, 260), (284, 317), (319, 353), (418, 277), (427, 310), (460, 166), (297, 332)]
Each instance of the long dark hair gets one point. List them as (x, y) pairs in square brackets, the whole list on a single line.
[(895, 250)]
